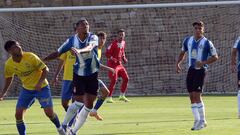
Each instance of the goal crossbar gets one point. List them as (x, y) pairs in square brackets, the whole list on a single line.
[(162, 5)]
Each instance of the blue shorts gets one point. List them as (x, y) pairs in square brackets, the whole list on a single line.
[(27, 97), (67, 90)]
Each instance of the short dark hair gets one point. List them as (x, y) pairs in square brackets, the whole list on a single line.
[(199, 23), (80, 21), (9, 44), (101, 34), (120, 30)]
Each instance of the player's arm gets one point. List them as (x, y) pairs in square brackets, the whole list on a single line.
[(42, 78), (66, 46), (59, 68), (179, 61), (109, 53), (124, 56), (234, 55), (107, 68), (233, 59), (213, 56), (7, 84), (91, 45), (182, 55)]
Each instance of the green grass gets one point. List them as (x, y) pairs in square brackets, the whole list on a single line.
[(164, 115)]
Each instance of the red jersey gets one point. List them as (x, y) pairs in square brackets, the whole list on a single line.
[(115, 53)]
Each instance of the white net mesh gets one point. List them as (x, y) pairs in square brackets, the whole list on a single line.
[(154, 37)]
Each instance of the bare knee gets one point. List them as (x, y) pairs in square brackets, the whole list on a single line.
[(65, 104), (49, 112), (105, 92), (19, 114)]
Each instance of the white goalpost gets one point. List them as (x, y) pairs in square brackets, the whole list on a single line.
[(154, 35)]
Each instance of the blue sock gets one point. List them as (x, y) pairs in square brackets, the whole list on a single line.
[(99, 103), (71, 122), (55, 121), (21, 127)]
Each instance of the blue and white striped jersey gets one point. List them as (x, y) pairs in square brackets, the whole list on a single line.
[(86, 63), (198, 50), (237, 46)]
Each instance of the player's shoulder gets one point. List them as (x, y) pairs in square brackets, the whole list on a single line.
[(93, 36), (29, 54), (9, 61)]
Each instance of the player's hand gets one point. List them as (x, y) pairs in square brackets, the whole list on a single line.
[(199, 64), (38, 87), (1, 96), (55, 80), (179, 69), (74, 50), (112, 70)]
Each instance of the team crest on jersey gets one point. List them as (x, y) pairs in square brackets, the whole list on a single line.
[(120, 45), (194, 54)]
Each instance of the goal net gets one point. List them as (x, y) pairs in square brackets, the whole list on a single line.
[(153, 36)]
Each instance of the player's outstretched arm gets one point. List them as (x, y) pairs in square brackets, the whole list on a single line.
[(107, 68), (52, 56), (233, 60), (8, 82), (59, 68), (179, 61), (83, 50)]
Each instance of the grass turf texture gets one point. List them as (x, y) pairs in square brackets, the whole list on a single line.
[(164, 115)]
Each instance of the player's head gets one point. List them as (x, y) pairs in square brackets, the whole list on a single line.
[(82, 26), (102, 37), (13, 47), (121, 34), (198, 28)]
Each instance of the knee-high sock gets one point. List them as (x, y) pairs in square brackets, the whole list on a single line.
[(71, 112), (238, 96), (81, 118), (21, 127), (55, 121), (201, 110), (195, 112)]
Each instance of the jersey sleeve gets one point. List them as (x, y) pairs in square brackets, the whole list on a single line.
[(212, 49), (184, 44), (237, 43), (109, 50), (37, 62), (7, 71), (63, 56), (66, 46)]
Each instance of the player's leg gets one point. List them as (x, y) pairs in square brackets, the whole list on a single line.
[(190, 87), (45, 99), (123, 74), (78, 93), (25, 100), (104, 92), (238, 95), (113, 79), (66, 93), (199, 89), (91, 83)]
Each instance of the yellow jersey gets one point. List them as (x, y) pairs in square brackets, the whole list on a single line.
[(69, 60), (29, 70), (99, 53)]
